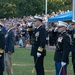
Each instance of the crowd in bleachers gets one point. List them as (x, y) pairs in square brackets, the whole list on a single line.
[(23, 28)]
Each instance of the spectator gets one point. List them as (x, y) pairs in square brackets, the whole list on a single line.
[(9, 49)]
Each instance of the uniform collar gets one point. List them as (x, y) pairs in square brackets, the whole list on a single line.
[(9, 29), (63, 32), (38, 26)]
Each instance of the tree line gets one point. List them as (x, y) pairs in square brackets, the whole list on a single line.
[(19, 8)]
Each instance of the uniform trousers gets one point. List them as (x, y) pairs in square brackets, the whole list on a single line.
[(39, 65), (73, 61), (58, 67), (1, 67), (8, 64)]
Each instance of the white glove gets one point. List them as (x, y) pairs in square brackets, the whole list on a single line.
[(0, 55), (63, 64), (38, 54), (55, 29)]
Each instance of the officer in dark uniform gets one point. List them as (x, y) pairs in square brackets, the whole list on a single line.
[(38, 45), (73, 46), (62, 49), (2, 46)]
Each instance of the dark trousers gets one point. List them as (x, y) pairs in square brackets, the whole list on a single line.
[(73, 61), (39, 65), (1, 67), (1, 72), (30, 34), (58, 67)]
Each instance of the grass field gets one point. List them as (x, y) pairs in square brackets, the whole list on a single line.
[(23, 63)]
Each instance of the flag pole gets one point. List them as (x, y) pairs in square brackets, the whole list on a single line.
[(45, 7)]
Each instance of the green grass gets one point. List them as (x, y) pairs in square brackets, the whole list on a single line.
[(23, 63)]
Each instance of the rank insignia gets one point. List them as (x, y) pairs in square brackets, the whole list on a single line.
[(1, 51), (37, 34), (40, 49), (73, 35)]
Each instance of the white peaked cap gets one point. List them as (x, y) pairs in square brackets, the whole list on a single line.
[(62, 24), (38, 18)]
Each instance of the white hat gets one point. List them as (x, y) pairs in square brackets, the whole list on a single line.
[(38, 18), (62, 24)]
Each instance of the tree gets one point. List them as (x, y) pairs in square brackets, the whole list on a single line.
[(7, 10), (30, 7), (55, 5), (10, 10), (19, 8)]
